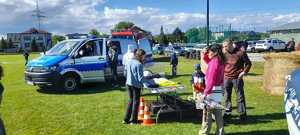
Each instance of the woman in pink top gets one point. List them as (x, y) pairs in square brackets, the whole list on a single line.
[(214, 77)]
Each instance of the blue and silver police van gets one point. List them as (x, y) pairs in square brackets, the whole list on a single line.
[(73, 62)]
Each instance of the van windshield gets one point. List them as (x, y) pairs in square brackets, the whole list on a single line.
[(62, 48)]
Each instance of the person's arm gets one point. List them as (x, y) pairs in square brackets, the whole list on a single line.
[(211, 75), (247, 63), (205, 57), (140, 73), (192, 80)]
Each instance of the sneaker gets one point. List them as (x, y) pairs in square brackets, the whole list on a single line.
[(125, 122)]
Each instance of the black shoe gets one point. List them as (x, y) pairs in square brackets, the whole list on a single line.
[(133, 123), (125, 122), (243, 117), (226, 116)]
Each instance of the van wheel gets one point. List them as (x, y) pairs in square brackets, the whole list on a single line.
[(253, 50), (70, 83)]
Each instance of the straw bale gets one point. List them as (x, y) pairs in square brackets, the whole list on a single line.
[(277, 66)]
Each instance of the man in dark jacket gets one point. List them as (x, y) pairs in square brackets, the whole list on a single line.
[(174, 63), (113, 62), (26, 55), (236, 66)]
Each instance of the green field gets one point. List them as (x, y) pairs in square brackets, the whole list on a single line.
[(97, 109)]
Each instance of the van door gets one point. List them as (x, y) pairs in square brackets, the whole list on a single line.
[(120, 67), (146, 46), (90, 61)]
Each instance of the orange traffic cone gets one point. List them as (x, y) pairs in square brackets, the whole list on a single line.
[(147, 119), (141, 110)]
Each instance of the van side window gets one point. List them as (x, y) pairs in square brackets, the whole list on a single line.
[(100, 49), (89, 49), (117, 44)]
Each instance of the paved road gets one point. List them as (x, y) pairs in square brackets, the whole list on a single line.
[(258, 57)]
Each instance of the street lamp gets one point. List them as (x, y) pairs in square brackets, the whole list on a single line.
[(207, 22)]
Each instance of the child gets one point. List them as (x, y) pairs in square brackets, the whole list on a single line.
[(1, 86), (198, 81), (174, 63)]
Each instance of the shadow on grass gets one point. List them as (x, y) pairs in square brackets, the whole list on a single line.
[(147, 93), (186, 117), (270, 132), (253, 74), (161, 59), (91, 88), (180, 75), (248, 108), (254, 119)]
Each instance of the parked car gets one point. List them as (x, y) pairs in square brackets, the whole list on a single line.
[(270, 45), (179, 50), (158, 50), (251, 46)]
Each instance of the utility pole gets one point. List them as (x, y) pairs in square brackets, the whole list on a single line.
[(207, 22), (38, 14)]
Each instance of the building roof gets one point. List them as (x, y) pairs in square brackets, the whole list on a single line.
[(35, 31), (288, 26)]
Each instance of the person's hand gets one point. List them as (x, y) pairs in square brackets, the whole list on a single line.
[(243, 49), (201, 97), (241, 75)]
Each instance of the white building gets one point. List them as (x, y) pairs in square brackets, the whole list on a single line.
[(24, 39)]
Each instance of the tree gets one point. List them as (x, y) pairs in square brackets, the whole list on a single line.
[(162, 37), (123, 25), (57, 38), (33, 46), (10, 43), (3, 44), (192, 35), (95, 33), (197, 35), (178, 35)]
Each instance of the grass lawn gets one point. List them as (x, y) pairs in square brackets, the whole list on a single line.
[(96, 109)]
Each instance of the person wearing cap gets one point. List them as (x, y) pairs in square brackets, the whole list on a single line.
[(173, 63), (197, 81), (128, 56)]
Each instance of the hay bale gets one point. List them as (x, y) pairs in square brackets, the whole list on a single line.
[(277, 66)]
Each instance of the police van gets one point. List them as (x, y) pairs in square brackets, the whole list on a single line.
[(68, 65)]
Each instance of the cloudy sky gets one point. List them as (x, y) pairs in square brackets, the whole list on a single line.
[(70, 16)]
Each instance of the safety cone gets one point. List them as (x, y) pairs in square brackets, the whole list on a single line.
[(141, 110), (147, 118)]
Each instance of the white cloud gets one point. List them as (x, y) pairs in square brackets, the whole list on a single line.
[(69, 16)]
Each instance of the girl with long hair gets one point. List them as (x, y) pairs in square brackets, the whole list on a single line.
[(214, 78)]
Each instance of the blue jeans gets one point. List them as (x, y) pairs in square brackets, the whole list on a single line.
[(174, 69), (238, 85)]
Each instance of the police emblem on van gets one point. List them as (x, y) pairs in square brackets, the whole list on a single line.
[(291, 102)]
